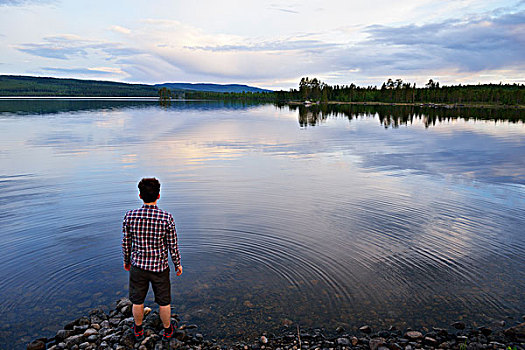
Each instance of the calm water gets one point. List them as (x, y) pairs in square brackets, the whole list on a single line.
[(322, 218)]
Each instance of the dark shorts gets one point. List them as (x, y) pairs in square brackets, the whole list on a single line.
[(139, 281)]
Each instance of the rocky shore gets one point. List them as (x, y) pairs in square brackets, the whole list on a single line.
[(100, 330)]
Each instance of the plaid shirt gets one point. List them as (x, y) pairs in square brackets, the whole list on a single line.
[(148, 234)]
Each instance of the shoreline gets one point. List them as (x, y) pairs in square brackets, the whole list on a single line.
[(413, 104), (112, 330)]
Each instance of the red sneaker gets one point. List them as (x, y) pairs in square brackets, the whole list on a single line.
[(139, 336), (167, 336)]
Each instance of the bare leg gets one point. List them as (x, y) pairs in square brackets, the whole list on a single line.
[(165, 315), (138, 313)]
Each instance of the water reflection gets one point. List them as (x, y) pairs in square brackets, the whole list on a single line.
[(395, 116), (341, 224)]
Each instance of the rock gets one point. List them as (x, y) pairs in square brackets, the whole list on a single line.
[(375, 343), (430, 341), (142, 347), (354, 341), (485, 331), (175, 344), (36, 345), (127, 321), (80, 329), (382, 347), (69, 326), (127, 339), (122, 302), (444, 345), (199, 337), (414, 335), (92, 338), (365, 329), (126, 311), (63, 334), (104, 324), (441, 331), (104, 344), (73, 340), (95, 326), (342, 341), (340, 329), (458, 325), (147, 310), (90, 331), (516, 332), (263, 340), (383, 334), (148, 342), (84, 321), (83, 345), (502, 323), (114, 321)]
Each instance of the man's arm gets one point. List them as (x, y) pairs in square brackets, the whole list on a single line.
[(171, 240), (126, 244)]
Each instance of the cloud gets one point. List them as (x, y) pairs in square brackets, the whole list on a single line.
[(121, 30), (278, 45), (69, 46), (86, 71), (25, 2)]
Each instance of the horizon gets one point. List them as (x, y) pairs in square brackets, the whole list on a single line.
[(266, 45)]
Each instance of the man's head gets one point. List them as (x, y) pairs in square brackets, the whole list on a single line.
[(149, 188)]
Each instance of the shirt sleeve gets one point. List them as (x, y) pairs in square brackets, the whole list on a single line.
[(171, 240), (126, 240)]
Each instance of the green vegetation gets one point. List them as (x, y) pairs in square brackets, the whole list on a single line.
[(33, 86), (397, 91)]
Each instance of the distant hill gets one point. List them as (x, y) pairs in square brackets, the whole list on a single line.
[(19, 85), (14, 85), (211, 87)]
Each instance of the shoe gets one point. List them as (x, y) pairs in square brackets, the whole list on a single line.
[(167, 336), (139, 336)]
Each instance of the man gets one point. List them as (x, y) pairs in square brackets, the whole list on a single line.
[(148, 235)]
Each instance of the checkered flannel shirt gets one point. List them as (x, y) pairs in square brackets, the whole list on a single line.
[(148, 233)]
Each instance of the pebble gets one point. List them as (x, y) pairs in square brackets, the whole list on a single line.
[(414, 335), (365, 329), (375, 343), (263, 340), (458, 325)]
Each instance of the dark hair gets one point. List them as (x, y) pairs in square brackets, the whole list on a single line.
[(149, 188)]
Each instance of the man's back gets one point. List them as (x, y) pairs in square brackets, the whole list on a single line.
[(148, 234)]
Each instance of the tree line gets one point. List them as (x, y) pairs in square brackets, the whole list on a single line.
[(398, 91)]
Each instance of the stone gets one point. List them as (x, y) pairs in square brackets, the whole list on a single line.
[(340, 329), (354, 341), (485, 331), (73, 340), (414, 335), (441, 331), (160, 347), (95, 326), (365, 329), (383, 334), (343, 341), (92, 338), (375, 343), (444, 345), (263, 340), (502, 323), (114, 321), (36, 345), (104, 324), (430, 341), (69, 326), (83, 345), (123, 302), (147, 311), (516, 332), (84, 321), (200, 338), (90, 331), (126, 310), (63, 334), (382, 347), (127, 321), (80, 329), (148, 342), (127, 339), (458, 325), (104, 344)]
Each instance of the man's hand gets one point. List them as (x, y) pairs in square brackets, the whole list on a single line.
[(127, 267), (179, 270)]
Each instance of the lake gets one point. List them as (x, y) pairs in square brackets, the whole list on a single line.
[(317, 217)]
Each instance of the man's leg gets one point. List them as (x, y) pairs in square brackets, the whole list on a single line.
[(165, 315), (138, 314)]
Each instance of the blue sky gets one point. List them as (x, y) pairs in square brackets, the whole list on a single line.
[(269, 44)]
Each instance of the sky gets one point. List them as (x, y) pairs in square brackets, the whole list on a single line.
[(269, 44)]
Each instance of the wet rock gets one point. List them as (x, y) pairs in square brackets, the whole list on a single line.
[(159, 347), (104, 324), (414, 335), (180, 335), (444, 345), (80, 329), (502, 323), (430, 341), (354, 341), (84, 321), (126, 311), (73, 340), (122, 302), (114, 321), (485, 331), (69, 326), (441, 331), (199, 337), (458, 325), (63, 334), (148, 342), (383, 334), (127, 322), (365, 329), (340, 329), (127, 339), (375, 343), (516, 332), (263, 340), (36, 345), (343, 341), (83, 345), (90, 331)]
